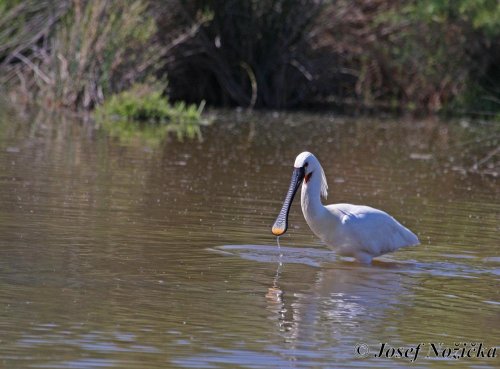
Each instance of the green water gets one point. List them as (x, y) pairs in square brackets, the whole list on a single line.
[(120, 255)]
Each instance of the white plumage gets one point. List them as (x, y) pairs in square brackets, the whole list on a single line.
[(357, 231)]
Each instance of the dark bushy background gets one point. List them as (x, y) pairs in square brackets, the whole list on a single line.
[(420, 56)]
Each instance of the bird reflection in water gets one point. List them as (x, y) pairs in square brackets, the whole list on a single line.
[(342, 300), (274, 293), (276, 302)]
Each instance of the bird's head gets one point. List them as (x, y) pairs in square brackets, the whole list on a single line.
[(308, 162), (305, 167)]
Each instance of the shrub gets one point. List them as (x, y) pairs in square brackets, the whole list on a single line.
[(427, 55), (248, 53)]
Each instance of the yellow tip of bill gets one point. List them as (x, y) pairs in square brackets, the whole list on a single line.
[(278, 231)]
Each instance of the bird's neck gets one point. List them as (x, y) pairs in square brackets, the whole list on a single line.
[(311, 197)]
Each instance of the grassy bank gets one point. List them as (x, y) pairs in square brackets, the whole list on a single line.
[(429, 56)]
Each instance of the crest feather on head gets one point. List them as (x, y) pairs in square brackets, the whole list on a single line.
[(324, 185)]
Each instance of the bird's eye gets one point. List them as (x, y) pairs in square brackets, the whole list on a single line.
[(306, 164)]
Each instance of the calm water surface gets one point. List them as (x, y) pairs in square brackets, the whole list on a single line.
[(118, 255)]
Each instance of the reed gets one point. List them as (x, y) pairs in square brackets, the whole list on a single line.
[(73, 54)]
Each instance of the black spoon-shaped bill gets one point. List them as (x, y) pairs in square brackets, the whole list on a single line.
[(281, 223)]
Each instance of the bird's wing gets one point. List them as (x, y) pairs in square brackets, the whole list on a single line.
[(375, 231)]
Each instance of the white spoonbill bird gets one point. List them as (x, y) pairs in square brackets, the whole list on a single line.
[(358, 231)]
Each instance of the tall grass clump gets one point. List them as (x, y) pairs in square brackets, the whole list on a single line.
[(144, 111), (147, 103), (74, 53)]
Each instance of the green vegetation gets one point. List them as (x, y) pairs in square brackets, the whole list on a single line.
[(460, 52), (144, 113), (72, 54), (146, 103), (151, 135), (428, 56)]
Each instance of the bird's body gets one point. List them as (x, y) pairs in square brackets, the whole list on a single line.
[(357, 231)]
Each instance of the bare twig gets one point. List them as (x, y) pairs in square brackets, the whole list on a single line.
[(34, 68), (485, 159)]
